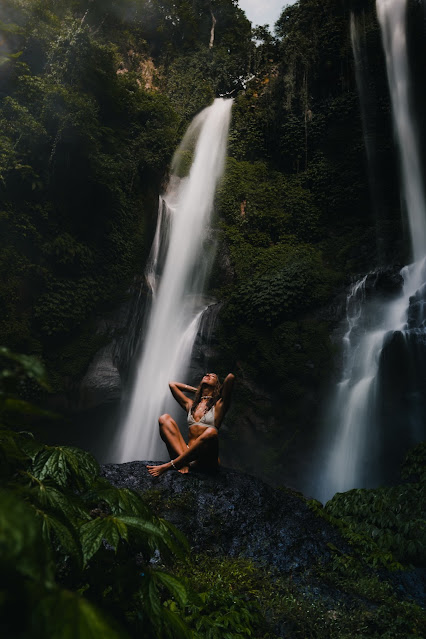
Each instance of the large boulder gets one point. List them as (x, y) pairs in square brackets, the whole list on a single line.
[(230, 513)]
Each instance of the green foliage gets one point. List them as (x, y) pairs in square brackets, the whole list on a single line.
[(387, 524), (225, 606), (81, 148), (303, 606), (60, 523)]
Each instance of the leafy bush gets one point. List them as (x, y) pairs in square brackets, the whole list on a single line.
[(65, 531), (388, 524)]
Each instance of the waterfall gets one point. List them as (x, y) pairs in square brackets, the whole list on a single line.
[(179, 263), (384, 347), (356, 432), (391, 14)]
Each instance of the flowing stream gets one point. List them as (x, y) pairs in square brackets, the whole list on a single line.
[(357, 432), (179, 263)]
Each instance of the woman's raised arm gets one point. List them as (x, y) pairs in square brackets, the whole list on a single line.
[(226, 393), (177, 391)]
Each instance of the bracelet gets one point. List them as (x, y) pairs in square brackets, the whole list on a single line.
[(171, 461)]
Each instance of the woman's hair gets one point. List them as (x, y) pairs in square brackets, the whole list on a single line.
[(217, 390)]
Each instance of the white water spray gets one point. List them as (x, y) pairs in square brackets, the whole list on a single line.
[(177, 269), (352, 436)]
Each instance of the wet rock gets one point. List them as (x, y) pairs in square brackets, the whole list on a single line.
[(385, 282), (102, 382), (229, 513), (417, 310)]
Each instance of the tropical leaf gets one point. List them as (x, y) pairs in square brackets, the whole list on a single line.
[(21, 539), (173, 585), (155, 607), (119, 500), (65, 505), (93, 533), (65, 463), (28, 444), (154, 534), (182, 545), (176, 626), (55, 530), (65, 615)]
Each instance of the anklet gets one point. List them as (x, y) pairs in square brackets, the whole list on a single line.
[(171, 461)]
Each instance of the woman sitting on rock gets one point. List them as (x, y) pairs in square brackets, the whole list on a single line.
[(205, 415)]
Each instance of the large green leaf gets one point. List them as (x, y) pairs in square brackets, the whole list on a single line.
[(55, 530), (154, 602), (119, 500), (111, 529), (180, 542), (65, 615), (21, 539), (65, 465), (173, 585), (152, 533), (45, 496)]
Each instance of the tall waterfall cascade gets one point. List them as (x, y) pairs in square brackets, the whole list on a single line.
[(179, 263), (378, 408)]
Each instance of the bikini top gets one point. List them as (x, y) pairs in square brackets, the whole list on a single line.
[(206, 420)]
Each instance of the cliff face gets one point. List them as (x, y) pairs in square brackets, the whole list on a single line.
[(229, 513)]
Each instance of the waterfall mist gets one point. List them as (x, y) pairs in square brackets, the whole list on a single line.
[(179, 263), (378, 408)]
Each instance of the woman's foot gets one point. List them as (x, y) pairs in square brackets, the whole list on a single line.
[(184, 470), (156, 471)]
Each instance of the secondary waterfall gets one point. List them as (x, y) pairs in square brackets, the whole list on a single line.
[(379, 408), (180, 260)]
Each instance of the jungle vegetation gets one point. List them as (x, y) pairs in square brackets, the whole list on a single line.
[(94, 96)]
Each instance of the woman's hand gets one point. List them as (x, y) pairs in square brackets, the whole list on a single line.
[(177, 389)]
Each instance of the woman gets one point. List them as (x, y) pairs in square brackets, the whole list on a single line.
[(205, 415)]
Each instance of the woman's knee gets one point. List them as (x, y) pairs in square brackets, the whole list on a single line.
[(166, 425), (164, 419)]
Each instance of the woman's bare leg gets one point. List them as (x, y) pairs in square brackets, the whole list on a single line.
[(172, 437), (201, 449)]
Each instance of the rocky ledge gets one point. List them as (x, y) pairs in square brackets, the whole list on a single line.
[(230, 513)]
